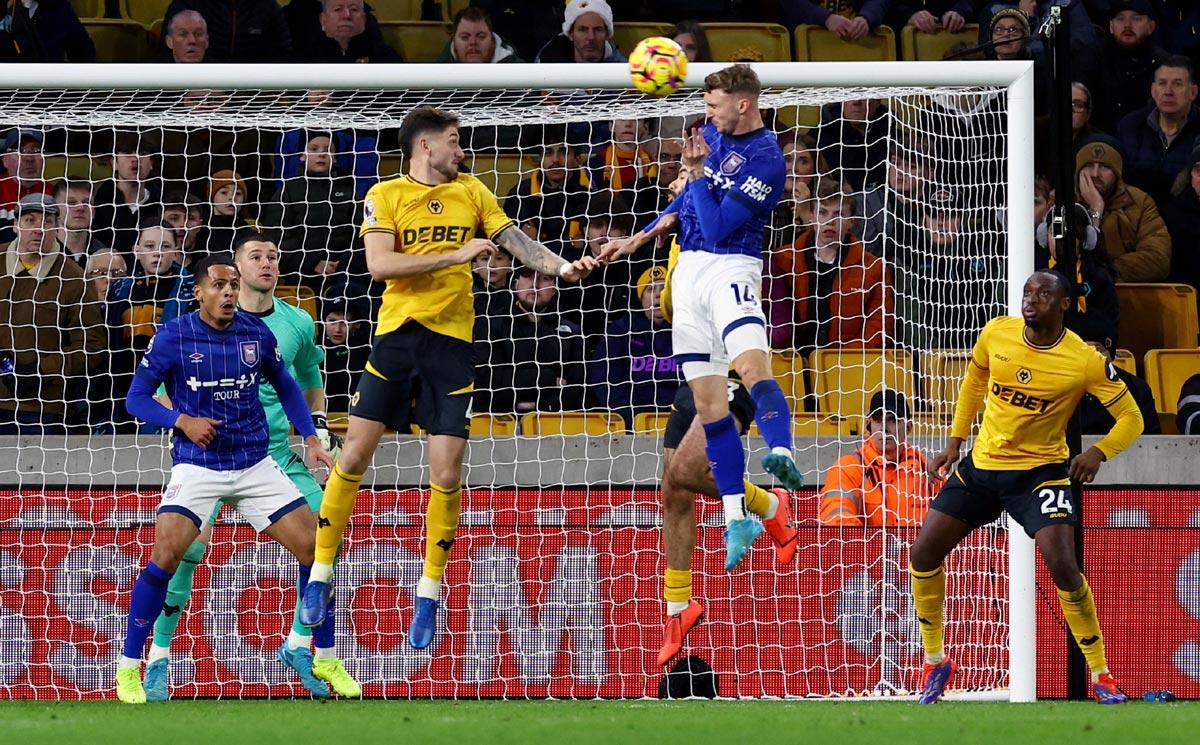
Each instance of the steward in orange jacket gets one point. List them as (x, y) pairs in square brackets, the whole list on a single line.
[(885, 481)]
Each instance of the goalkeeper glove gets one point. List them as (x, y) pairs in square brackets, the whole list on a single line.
[(331, 441)]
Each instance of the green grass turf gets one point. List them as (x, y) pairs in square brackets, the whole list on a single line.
[(579, 722)]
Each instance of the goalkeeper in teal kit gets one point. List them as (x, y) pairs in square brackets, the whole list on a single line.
[(258, 263)]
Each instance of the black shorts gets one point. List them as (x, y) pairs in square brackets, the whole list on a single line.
[(1035, 498), (418, 376), (683, 411)]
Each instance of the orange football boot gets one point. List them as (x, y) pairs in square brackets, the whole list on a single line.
[(676, 627)]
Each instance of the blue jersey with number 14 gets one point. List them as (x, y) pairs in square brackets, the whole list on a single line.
[(747, 168)]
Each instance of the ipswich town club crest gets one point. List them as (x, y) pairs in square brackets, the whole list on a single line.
[(732, 163), (250, 353)]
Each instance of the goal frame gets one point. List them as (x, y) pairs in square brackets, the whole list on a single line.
[(1015, 76)]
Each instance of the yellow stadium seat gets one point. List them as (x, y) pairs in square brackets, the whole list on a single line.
[(118, 41), (77, 166), (918, 45), (144, 12), (572, 423), (819, 44), (1125, 360), (942, 372), (1166, 372), (1157, 316), (338, 421), (493, 425), (89, 8), (416, 41), (450, 8), (651, 422), (788, 370), (499, 171), (626, 35), (845, 379), (395, 10), (390, 164), (757, 42), (300, 296)]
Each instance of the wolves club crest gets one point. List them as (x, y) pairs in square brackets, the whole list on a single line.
[(732, 163), (250, 353)]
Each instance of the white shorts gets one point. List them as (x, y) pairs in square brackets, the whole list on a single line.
[(262, 493), (716, 311)]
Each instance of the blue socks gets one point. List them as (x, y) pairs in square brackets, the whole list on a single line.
[(145, 603), (726, 455), (771, 413), (324, 636)]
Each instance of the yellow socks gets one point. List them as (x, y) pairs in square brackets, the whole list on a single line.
[(760, 502), (929, 597), (677, 589), (441, 524), (336, 506), (1079, 608)]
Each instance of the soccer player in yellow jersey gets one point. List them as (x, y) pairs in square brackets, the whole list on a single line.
[(421, 232), (1032, 372)]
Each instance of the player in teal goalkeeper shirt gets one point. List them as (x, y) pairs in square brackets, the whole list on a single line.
[(258, 263)]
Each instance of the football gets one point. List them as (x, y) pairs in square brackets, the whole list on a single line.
[(657, 66)]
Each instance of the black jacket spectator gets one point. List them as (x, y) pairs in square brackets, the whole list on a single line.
[(1097, 421), (852, 135), (52, 34), (536, 360), (1182, 215), (1098, 313), (1188, 418), (1121, 83), (348, 32), (527, 24), (1149, 165), (313, 219), (240, 30)]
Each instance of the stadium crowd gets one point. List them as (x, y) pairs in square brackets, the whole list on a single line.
[(874, 243)]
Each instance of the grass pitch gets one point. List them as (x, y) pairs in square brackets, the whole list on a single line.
[(579, 722)]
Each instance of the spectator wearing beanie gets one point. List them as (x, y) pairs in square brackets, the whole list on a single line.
[(227, 213), (587, 33), (1131, 227)]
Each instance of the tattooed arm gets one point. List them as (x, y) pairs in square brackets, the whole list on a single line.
[(536, 256)]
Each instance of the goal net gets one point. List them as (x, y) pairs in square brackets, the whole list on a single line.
[(888, 251)]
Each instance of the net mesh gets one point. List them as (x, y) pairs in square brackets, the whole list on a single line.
[(554, 588)]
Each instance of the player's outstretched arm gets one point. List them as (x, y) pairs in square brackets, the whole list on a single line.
[(537, 257), (384, 262), (615, 248)]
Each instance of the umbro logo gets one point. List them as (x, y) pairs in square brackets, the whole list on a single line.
[(196, 357)]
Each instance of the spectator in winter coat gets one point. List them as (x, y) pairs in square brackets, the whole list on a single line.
[(157, 290), (49, 328), (1097, 315), (537, 361), (557, 193), (632, 369), (347, 37), (227, 197), (314, 220), (355, 152), (844, 295), (75, 239), (1125, 68), (1182, 215), (120, 202), (586, 35), (853, 138), (1133, 232), (474, 41), (1158, 139), (347, 344), (240, 30), (885, 481), (43, 31)]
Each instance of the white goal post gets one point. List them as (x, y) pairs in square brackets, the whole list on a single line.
[(41, 96)]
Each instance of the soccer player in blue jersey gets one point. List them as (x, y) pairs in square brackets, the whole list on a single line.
[(735, 173), (212, 362), (257, 262)]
